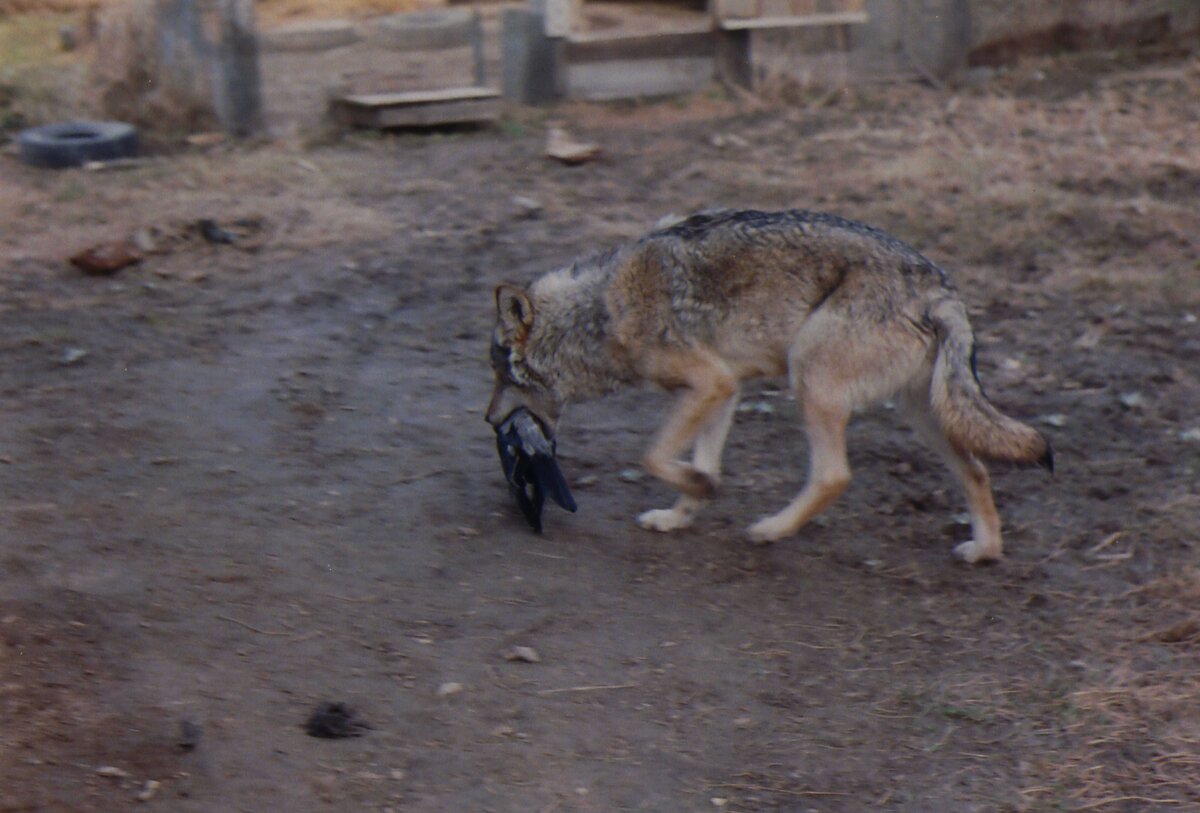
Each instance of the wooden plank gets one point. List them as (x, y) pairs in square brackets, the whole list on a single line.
[(683, 27), (695, 45), (418, 108), (724, 9), (801, 21), (374, 111), (624, 79), (419, 97)]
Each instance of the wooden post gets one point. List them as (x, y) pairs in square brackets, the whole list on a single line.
[(477, 57), (734, 66), (208, 61), (237, 94), (532, 61)]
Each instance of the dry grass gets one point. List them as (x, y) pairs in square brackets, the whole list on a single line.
[(1069, 195), (277, 11), (305, 200), (268, 10), (38, 81), (1136, 730)]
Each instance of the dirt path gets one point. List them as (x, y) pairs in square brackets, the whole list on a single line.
[(266, 483)]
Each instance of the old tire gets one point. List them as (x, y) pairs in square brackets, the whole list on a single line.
[(74, 143), (426, 30)]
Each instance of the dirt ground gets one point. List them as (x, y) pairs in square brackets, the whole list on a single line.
[(237, 481)]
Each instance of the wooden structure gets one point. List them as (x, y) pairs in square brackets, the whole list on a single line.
[(426, 31), (550, 54)]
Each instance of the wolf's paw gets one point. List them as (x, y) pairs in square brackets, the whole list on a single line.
[(771, 529), (664, 519), (975, 552)]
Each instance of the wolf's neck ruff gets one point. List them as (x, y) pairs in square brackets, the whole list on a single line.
[(571, 342)]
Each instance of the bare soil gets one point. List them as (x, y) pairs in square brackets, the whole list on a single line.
[(238, 481)]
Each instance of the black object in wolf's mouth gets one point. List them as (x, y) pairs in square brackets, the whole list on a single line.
[(530, 466), (334, 721)]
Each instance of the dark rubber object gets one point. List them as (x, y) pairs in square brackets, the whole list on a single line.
[(335, 721), (75, 143)]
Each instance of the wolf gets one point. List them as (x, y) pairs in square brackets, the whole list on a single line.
[(851, 315)]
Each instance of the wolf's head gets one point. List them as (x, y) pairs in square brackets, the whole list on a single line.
[(518, 382)]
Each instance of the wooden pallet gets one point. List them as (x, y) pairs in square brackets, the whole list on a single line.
[(795, 21), (422, 108)]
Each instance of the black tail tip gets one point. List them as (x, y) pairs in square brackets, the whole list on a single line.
[(1046, 461)]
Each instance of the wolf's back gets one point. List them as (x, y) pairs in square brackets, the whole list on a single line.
[(971, 422)]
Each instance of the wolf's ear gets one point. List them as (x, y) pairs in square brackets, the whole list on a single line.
[(514, 311)]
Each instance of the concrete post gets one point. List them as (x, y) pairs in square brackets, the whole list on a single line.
[(531, 69), (237, 85), (936, 35), (734, 63), (208, 60)]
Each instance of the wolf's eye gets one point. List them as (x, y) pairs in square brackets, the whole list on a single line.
[(500, 357)]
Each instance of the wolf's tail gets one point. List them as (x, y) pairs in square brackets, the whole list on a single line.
[(971, 423)]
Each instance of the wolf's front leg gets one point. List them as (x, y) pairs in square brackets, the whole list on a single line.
[(706, 459)]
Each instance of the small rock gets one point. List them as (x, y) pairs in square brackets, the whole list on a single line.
[(213, 233), (719, 803), (525, 654), (632, 475), (146, 239), (106, 259), (449, 689), (1056, 420), (1132, 400), (561, 147), (72, 355), (333, 721), (205, 139), (527, 208), (723, 141), (148, 790), (189, 736), (112, 771)]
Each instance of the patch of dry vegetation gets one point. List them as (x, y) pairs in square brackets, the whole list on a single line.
[(1136, 730), (1071, 194), (268, 10), (303, 200), (38, 81), (274, 11)]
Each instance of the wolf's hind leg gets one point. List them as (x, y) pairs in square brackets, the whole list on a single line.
[(987, 544), (706, 458)]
